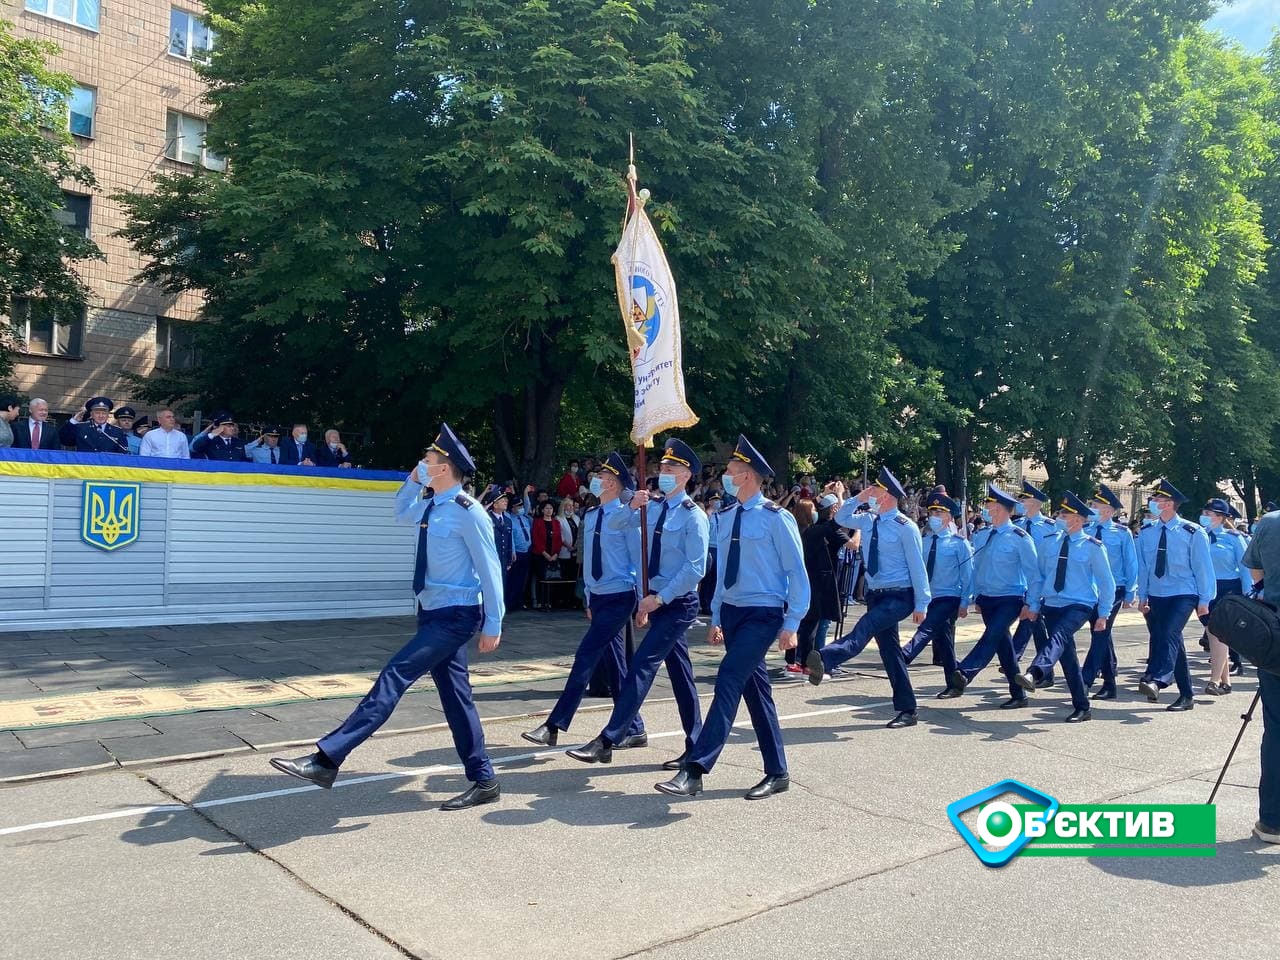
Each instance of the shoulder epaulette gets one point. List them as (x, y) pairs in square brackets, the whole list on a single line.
[(1189, 528), (772, 507), (1019, 531), (726, 509), (901, 519), (1094, 540), (689, 504), (464, 501)]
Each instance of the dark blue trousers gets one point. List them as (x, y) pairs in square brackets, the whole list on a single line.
[(439, 647), (1062, 624), (664, 643), (1101, 658), (1269, 784), (885, 609), (1028, 630), (609, 614), (1167, 656), (514, 583), (998, 614), (707, 587), (749, 632), (939, 629)]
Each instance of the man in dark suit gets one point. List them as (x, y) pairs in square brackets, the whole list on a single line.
[(96, 435), (298, 451), (333, 452), (219, 441), (36, 426)]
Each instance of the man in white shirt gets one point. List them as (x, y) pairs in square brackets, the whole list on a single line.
[(166, 440)]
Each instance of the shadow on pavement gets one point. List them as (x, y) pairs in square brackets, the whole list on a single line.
[(1237, 861)]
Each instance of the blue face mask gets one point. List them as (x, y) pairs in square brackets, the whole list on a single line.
[(596, 486), (1206, 520), (1153, 508), (730, 487), (873, 505), (986, 515), (1060, 524), (1095, 516), (1021, 509), (667, 483), (936, 524)]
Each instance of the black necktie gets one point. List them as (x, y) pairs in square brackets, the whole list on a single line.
[(274, 456), (735, 551), (655, 550), (873, 553), (420, 567), (1213, 536), (1162, 550), (597, 560), (933, 555), (1060, 578)]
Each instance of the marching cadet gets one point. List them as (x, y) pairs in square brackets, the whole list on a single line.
[(220, 442), (1031, 502), (456, 562), (1226, 550), (897, 587), (762, 593), (609, 562), (1004, 570), (677, 532), (949, 566), (1122, 554), (503, 540), (96, 436), (1075, 577), (1175, 579)]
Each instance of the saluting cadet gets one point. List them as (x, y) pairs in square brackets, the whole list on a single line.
[(949, 566), (96, 436), (762, 593), (1004, 570), (1031, 502), (677, 532), (1122, 554), (1175, 579), (1226, 550), (458, 586), (503, 538), (897, 587), (219, 442), (609, 560), (1074, 576)]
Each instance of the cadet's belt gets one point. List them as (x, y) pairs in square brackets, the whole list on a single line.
[(887, 590)]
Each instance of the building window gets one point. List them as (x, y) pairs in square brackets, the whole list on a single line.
[(83, 13), (74, 214), (175, 345), (81, 106), (184, 141), (189, 36), (46, 330)]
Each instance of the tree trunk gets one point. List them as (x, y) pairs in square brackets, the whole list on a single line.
[(504, 427)]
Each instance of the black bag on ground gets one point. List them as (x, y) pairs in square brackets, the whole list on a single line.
[(1249, 627)]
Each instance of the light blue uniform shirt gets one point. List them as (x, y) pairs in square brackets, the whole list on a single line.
[(1004, 562), (619, 552), (1040, 527), (1088, 581), (770, 562), (1226, 550), (462, 560), (952, 566), (901, 563), (260, 452), (1122, 554), (521, 533), (1188, 569), (684, 544)]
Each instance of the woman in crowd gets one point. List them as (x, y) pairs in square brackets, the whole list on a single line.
[(570, 523), (548, 541)]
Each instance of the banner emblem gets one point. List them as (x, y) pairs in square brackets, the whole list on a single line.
[(109, 514)]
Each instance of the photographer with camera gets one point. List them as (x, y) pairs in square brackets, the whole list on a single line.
[(1262, 559)]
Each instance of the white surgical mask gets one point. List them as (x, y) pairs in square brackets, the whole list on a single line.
[(936, 524), (302, 437), (596, 487)]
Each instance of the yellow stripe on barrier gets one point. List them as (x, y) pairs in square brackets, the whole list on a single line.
[(76, 471)]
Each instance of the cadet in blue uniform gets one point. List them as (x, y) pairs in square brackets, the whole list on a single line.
[(897, 587), (1122, 554), (1226, 551), (503, 536), (517, 578), (1175, 579), (1004, 570), (677, 536), (949, 565), (126, 417), (1074, 576), (1031, 502), (458, 586), (707, 588), (218, 443), (762, 593), (96, 436), (610, 558)]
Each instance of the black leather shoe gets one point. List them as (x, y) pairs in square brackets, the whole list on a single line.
[(1104, 694), (683, 784), (1181, 705), (1236, 670), (485, 791), (1047, 683), (1214, 690), (1079, 716), (309, 768), (903, 719), (1149, 690), (1025, 680), (545, 736), (766, 787), (597, 751), (817, 669), (1016, 703), (948, 694), (677, 763), (957, 681), (633, 741)]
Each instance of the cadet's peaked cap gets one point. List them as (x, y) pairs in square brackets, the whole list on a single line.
[(493, 496), (144, 422), (996, 495), (1166, 489), (1031, 490), (126, 412), (1234, 514), (1073, 504), (744, 452), (1104, 495), (100, 403), (1218, 505), (887, 481), (677, 451), (221, 417), (615, 465), (272, 431), (449, 446), (940, 501)]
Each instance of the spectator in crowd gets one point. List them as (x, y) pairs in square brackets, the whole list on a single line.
[(298, 451), (548, 541), (568, 484), (503, 528), (584, 475), (266, 449), (219, 442), (9, 409), (36, 431), (125, 417), (333, 453), (515, 588), (96, 436), (166, 440), (569, 524)]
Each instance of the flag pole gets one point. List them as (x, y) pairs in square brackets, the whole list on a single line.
[(633, 203)]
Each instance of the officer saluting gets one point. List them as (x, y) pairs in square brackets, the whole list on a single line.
[(762, 593), (1122, 554), (897, 587), (456, 568), (949, 565), (1031, 502), (219, 442), (96, 436)]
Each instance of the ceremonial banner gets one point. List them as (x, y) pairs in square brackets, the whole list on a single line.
[(651, 318)]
